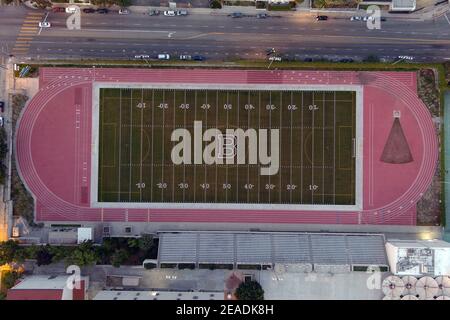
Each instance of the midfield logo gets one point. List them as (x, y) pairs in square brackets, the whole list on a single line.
[(228, 147)]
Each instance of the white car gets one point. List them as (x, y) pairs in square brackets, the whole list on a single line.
[(142, 56), (355, 18), (406, 57), (72, 9), (163, 56), (274, 58), (1, 121), (170, 13), (44, 24), (368, 18), (124, 11)]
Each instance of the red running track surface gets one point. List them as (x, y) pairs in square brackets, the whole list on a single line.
[(53, 146)]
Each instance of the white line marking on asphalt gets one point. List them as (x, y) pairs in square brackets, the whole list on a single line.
[(446, 18)]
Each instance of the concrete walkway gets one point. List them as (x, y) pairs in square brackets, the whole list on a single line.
[(447, 164)]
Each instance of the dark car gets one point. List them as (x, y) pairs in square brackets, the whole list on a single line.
[(59, 9), (198, 58), (383, 19), (261, 15), (153, 13), (102, 10), (2, 106), (237, 15), (88, 10), (321, 18), (270, 51), (308, 60), (346, 60)]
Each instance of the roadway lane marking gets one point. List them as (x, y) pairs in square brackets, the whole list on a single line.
[(446, 18), (117, 30), (28, 29)]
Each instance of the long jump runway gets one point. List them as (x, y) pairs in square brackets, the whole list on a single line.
[(55, 143)]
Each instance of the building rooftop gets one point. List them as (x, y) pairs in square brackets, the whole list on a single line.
[(158, 295), (271, 248), (421, 257)]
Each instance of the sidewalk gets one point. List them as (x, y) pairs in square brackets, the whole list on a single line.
[(447, 165)]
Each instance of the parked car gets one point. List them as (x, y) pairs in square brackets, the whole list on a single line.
[(142, 56), (355, 18), (124, 11), (237, 15), (383, 19), (321, 18), (270, 51), (44, 24), (198, 58), (185, 57), (163, 56), (368, 18), (153, 13), (406, 58), (88, 10), (58, 9), (169, 13), (182, 13), (2, 106), (274, 58), (102, 10), (1, 121), (261, 15), (346, 60), (71, 9), (308, 60)]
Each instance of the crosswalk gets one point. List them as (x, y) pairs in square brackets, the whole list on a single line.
[(28, 30)]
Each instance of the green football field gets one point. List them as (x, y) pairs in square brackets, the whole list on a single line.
[(316, 130)]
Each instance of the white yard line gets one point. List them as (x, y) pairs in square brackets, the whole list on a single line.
[(195, 117), (217, 123), (226, 167), (206, 125), (334, 149), (120, 137), (184, 165), (290, 153), (174, 126), (162, 144), (131, 145), (237, 167), (281, 140), (151, 168), (301, 155), (142, 133), (323, 150), (270, 126), (259, 128), (312, 151), (248, 126)]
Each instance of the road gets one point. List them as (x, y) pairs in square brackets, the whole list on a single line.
[(219, 37)]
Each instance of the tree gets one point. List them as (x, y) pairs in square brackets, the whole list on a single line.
[(9, 279), (43, 257), (215, 4), (119, 257), (250, 290), (9, 252), (84, 255), (146, 242)]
